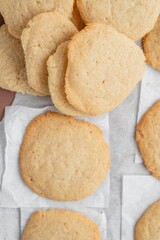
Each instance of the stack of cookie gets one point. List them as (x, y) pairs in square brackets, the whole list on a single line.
[(86, 72), (82, 53)]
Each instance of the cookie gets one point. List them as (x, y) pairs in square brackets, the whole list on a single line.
[(147, 227), (151, 43), (39, 40), (76, 18), (103, 67), (133, 18), (12, 64), (26, 10), (60, 224), (13, 33), (63, 158), (57, 64), (148, 139)]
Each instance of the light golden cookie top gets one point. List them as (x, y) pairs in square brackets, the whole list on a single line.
[(63, 158), (147, 228), (57, 65), (148, 139), (60, 224), (103, 67), (40, 39), (135, 18), (151, 46), (17, 13), (12, 64)]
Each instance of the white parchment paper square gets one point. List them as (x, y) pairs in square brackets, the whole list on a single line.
[(9, 224), (98, 216), (139, 192), (14, 192), (150, 93)]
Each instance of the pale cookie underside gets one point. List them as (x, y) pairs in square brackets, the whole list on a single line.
[(147, 227), (148, 139), (12, 64), (133, 18), (39, 40), (151, 46), (57, 65), (63, 158), (60, 224), (26, 10), (103, 67)]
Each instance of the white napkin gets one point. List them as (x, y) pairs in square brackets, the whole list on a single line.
[(14, 191)]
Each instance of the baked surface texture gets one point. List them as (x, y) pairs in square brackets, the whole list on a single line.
[(18, 13), (40, 39), (12, 64), (57, 65), (151, 43), (63, 158), (103, 67), (148, 139), (60, 224), (147, 227), (134, 18)]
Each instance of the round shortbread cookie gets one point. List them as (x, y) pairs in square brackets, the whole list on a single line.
[(76, 18), (17, 13), (63, 158), (147, 227), (133, 18), (39, 40), (57, 65), (151, 43), (148, 139), (12, 64), (103, 67), (60, 224)]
